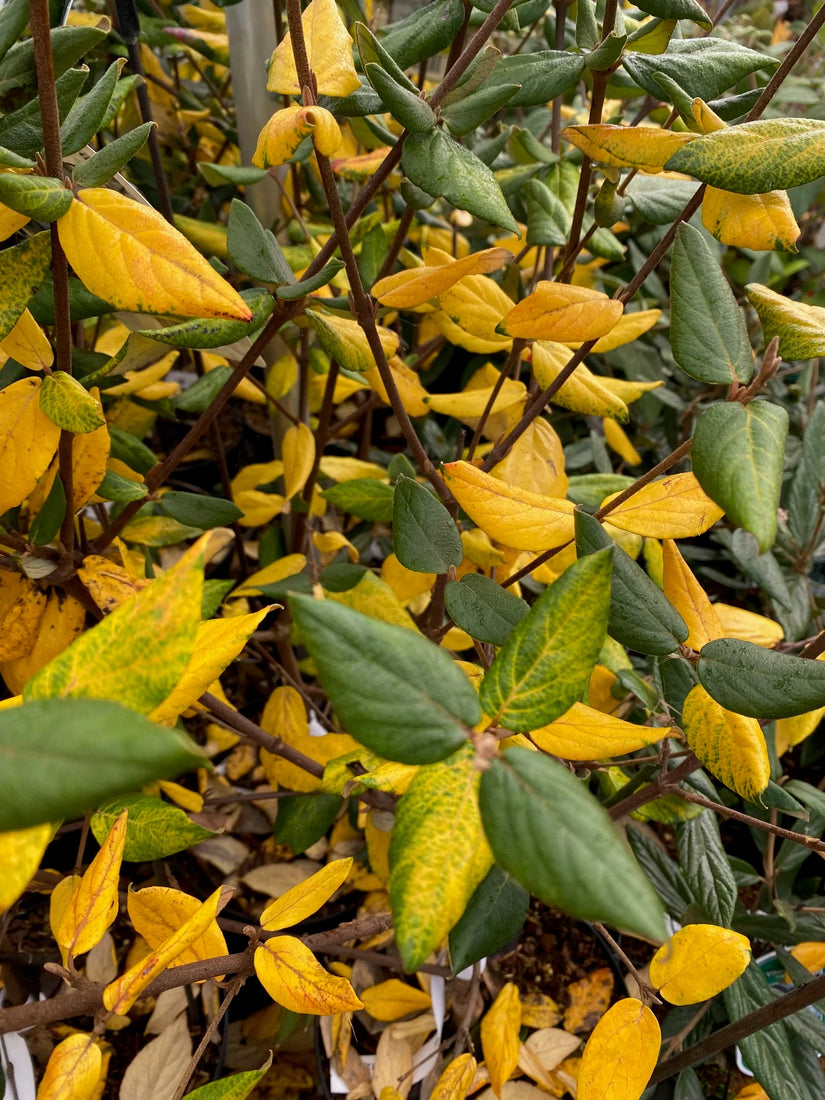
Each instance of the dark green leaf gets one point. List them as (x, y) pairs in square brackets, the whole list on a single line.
[(201, 394), (703, 67), (13, 23), (212, 332), (253, 249), (676, 9), (217, 174), (542, 75), (606, 54), (758, 682), (194, 510), (463, 116), (424, 33), (39, 197), (117, 487), (587, 28), (412, 112), (493, 918), (64, 756), (89, 111), (664, 874), (708, 333), (706, 868), (314, 282), (688, 1087), (392, 689), (303, 820), (48, 520), (12, 160), (99, 169), (154, 829), (68, 45), (659, 200), (425, 537), (129, 449), (548, 221), (363, 497), (21, 130), (371, 51), (483, 608), (807, 481), (549, 832), (589, 490), (737, 454)]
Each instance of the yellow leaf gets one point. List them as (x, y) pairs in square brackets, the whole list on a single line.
[(627, 390), (407, 289), (618, 440), (259, 473), (343, 339), (535, 462), (58, 903), (583, 733), (748, 626), (407, 584), (329, 49), (470, 312), (811, 954), (688, 597), (10, 222), (293, 977), (90, 457), (62, 621), (753, 1091), (120, 995), (158, 912), (373, 597), (561, 312), (182, 796), (730, 745), (523, 520), (217, 643), (673, 507), (328, 543), (500, 1036), (791, 731), (73, 1071), (539, 1010), (130, 256), (139, 653), (764, 223), (456, 1080), (27, 344), (589, 998), (258, 508), (21, 609), (412, 393), (288, 128), (800, 327), (20, 855), (93, 905), (697, 962), (306, 898), (28, 441), (705, 117), (472, 402), (285, 716), (393, 999), (630, 326), (646, 148), (620, 1054), (342, 468), (583, 391), (107, 583), (298, 453), (271, 574)]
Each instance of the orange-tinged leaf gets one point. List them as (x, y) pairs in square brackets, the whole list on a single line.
[(158, 912), (454, 1083), (589, 998), (93, 906), (393, 999), (764, 223), (748, 626), (298, 452), (21, 609), (73, 1071), (27, 343), (306, 898), (583, 733), (130, 256), (620, 1054), (561, 312), (731, 746), (646, 148), (697, 962), (287, 129), (583, 391), (120, 995), (407, 289), (329, 49), (61, 623), (20, 855), (28, 441), (688, 597), (753, 1091), (500, 1036), (293, 977), (674, 507), (523, 520)]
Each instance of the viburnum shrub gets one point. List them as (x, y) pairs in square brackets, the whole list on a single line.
[(470, 514)]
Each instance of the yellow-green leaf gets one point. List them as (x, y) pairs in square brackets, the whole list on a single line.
[(68, 404), (20, 855), (583, 733), (620, 1054), (731, 746), (329, 49), (438, 851), (93, 905), (674, 507), (28, 441), (646, 148), (24, 268), (393, 999), (697, 962), (764, 223), (73, 1071), (563, 313), (129, 255), (500, 1036), (293, 977), (344, 341), (689, 598), (411, 288), (800, 327), (306, 898)]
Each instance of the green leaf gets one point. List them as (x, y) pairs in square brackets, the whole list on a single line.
[(370, 51), (542, 75), (799, 326), (737, 455), (88, 113), (15, 18), (236, 1087), (201, 394), (771, 154), (658, 200), (587, 28), (108, 161), (212, 332), (437, 853), (465, 115), (703, 67), (253, 249), (393, 690), (546, 663), (424, 535), (758, 682), (21, 130), (68, 45), (664, 874), (442, 167), (706, 869), (24, 267), (493, 918), (47, 747), (708, 334), (548, 221), (363, 497), (39, 197), (303, 820), (677, 9), (214, 591), (66, 403), (641, 616), (483, 608), (606, 54), (413, 113), (48, 520), (424, 33), (129, 449), (119, 488), (314, 282), (589, 490), (12, 160), (548, 831), (809, 474), (194, 510), (154, 829), (240, 174)]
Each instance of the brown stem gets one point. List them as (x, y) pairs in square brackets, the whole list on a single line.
[(207, 1036), (810, 842), (788, 64), (473, 47), (512, 360), (397, 242), (661, 467), (660, 786)]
